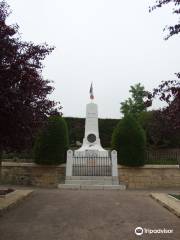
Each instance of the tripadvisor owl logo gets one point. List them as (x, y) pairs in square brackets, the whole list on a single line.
[(139, 231)]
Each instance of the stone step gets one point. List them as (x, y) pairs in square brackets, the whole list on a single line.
[(91, 178), (92, 187), (90, 182)]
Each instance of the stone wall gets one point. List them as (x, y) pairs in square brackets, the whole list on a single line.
[(149, 176), (32, 174)]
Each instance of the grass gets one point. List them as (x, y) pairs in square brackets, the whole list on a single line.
[(175, 196)]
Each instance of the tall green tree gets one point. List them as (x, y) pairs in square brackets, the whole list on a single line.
[(135, 105)]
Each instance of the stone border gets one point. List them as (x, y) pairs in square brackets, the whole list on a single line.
[(13, 198), (91, 187), (169, 195), (25, 164), (172, 204), (150, 166)]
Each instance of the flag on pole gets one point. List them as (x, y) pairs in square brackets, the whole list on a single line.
[(91, 92)]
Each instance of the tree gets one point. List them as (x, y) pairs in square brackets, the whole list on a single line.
[(24, 104), (135, 104), (52, 142), (146, 119), (169, 91), (160, 133), (129, 140), (173, 29)]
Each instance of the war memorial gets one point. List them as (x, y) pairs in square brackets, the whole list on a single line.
[(91, 166), (68, 174)]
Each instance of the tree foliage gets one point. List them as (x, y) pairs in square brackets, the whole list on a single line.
[(129, 140), (24, 105), (173, 29), (161, 134), (106, 128), (75, 130), (135, 104), (169, 91), (169, 116), (157, 136), (52, 142)]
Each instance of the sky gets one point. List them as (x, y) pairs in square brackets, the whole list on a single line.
[(112, 43)]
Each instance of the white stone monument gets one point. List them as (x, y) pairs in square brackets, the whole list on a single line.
[(91, 166), (91, 142)]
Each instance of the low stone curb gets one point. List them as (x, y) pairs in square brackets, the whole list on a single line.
[(91, 187), (13, 199), (172, 204)]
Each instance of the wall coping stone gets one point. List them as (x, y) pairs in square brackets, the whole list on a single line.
[(15, 164), (24, 164), (147, 166)]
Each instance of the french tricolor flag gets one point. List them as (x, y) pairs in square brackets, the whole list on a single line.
[(91, 92)]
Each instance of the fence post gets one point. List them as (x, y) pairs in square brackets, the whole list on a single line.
[(69, 163), (114, 163)]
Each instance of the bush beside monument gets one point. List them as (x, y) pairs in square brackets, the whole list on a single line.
[(130, 142), (52, 142)]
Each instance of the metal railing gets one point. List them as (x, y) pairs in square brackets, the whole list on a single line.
[(164, 156), (92, 166)]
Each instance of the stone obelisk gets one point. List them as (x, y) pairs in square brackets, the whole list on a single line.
[(91, 142)]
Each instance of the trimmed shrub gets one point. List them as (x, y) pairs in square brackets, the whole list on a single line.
[(106, 128), (52, 142), (130, 142)]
